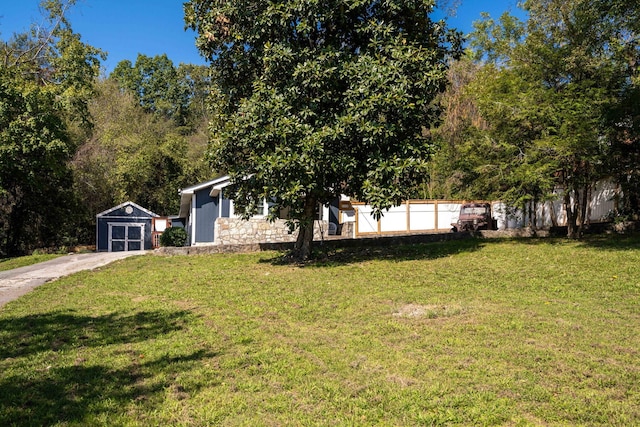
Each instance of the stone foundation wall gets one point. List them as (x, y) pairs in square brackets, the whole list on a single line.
[(365, 242), (348, 230), (235, 231)]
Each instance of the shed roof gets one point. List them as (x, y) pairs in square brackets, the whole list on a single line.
[(122, 205)]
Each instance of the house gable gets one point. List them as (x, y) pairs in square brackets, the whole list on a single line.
[(128, 210)]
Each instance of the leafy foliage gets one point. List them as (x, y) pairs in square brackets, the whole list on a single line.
[(157, 86), (46, 79), (135, 155), (551, 92), (174, 236), (322, 98), (620, 21)]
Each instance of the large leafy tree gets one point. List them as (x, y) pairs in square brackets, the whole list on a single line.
[(156, 83), (456, 170), (46, 79), (176, 93), (620, 22), (545, 91), (321, 98), (134, 155)]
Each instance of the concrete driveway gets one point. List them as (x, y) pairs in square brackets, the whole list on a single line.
[(17, 282)]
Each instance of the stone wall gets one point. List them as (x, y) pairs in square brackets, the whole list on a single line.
[(235, 231), (365, 242), (348, 230)]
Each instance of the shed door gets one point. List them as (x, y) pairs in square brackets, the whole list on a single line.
[(126, 237)]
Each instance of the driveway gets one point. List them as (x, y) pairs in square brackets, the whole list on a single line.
[(17, 282)]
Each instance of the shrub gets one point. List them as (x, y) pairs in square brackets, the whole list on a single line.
[(174, 236)]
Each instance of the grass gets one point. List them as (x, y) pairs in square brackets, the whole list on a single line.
[(516, 333), (23, 261)]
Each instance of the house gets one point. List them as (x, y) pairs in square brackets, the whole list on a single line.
[(200, 206), (126, 227), (208, 216)]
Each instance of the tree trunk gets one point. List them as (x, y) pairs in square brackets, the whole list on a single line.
[(580, 207), (304, 242), (571, 215), (16, 234), (553, 215), (533, 215), (588, 191)]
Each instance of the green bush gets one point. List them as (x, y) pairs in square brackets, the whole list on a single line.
[(174, 236)]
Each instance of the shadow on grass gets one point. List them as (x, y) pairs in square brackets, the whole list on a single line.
[(612, 242), (24, 336), (394, 249), (34, 391), (82, 394), (405, 248)]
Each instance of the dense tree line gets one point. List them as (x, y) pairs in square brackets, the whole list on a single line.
[(543, 105), (46, 82), (306, 100), (73, 143)]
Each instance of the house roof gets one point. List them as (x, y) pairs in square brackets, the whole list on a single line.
[(122, 205), (200, 186), (187, 193)]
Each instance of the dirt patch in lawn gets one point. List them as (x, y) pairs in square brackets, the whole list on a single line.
[(429, 311)]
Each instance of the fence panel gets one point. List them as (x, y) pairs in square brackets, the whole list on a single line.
[(412, 216), (365, 223), (394, 220), (438, 215), (422, 216), (448, 213)]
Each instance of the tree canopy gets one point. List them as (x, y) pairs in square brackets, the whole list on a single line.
[(135, 155), (73, 144), (156, 84), (318, 99), (552, 93), (46, 80)]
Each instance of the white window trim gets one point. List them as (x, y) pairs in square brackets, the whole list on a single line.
[(126, 235), (265, 207), (192, 219)]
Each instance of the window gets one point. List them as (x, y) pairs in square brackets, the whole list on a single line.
[(260, 209), (474, 210)]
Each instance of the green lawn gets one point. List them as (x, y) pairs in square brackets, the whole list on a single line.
[(477, 332), (23, 261)]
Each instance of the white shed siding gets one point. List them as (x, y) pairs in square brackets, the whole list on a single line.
[(448, 213), (365, 221)]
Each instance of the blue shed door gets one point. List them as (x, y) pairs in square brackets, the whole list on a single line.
[(126, 237)]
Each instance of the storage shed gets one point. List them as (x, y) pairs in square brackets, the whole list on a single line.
[(126, 227)]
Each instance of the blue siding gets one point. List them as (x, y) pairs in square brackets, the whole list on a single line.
[(102, 239), (334, 211), (206, 214), (120, 215), (226, 207)]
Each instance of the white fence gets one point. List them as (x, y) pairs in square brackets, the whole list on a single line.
[(416, 216), (413, 216)]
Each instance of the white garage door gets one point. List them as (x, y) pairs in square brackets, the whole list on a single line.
[(126, 237)]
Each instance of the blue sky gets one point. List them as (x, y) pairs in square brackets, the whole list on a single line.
[(125, 28)]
